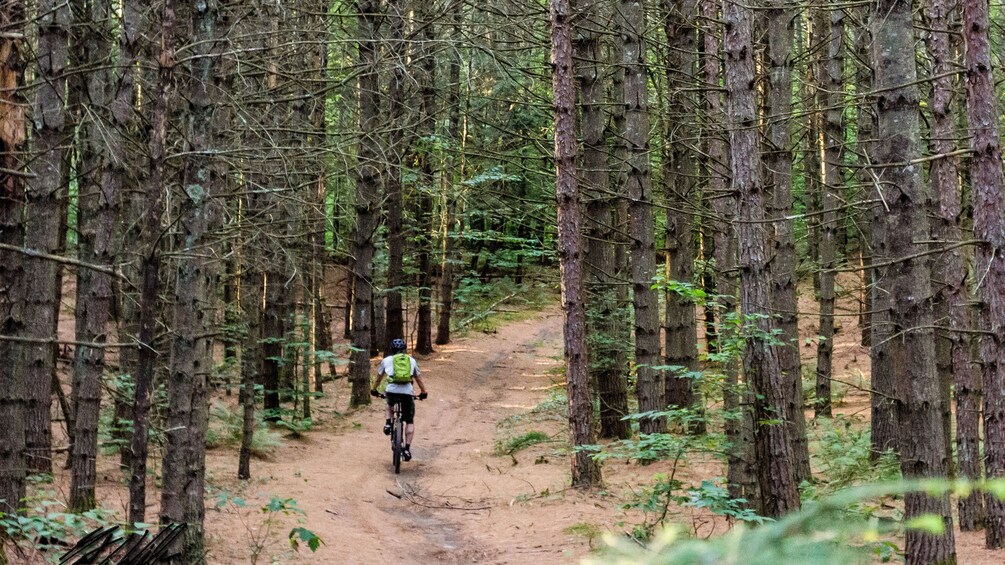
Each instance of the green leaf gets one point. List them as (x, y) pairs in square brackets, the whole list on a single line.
[(929, 523)]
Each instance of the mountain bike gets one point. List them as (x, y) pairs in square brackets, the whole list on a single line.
[(397, 433)]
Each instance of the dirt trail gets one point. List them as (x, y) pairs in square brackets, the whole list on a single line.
[(458, 502)]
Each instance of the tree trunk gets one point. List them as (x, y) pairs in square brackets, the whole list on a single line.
[(46, 195), (775, 465), (680, 182), (949, 270), (831, 189), (150, 266), (989, 257), (95, 231), (252, 291), (585, 471), (366, 201), (194, 319), (397, 11), (635, 179), (741, 474), (13, 388), (606, 352), (778, 160), (908, 278), (426, 78)]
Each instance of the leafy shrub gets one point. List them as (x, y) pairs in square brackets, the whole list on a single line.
[(225, 428), (520, 442)]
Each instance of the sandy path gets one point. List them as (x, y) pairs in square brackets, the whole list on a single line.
[(341, 480)]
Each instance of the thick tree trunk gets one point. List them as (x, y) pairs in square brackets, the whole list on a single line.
[(680, 182), (741, 474), (949, 272), (775, 464), (397, 12), (778, 160), (366, 201), (908, 277), (635, 179), (13, 388), (195, 302), (585, 471), (606, 352), (46, 195), (989, 258), (833, 79), (95, 232), (424, 214)]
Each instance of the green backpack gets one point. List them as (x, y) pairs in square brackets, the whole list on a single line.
[(402, 365)]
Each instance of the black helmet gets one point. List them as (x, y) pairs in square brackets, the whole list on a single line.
[(397, 345)]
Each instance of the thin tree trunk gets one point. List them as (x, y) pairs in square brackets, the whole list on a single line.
[(775, 464), (831, 189), (454, 162), (150, 267), (96, 228), (635, 178), (585, 471), (252, 295), (989, 257), (908, 280)]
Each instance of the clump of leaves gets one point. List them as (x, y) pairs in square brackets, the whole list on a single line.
[(46, 526), (842, 455), (226, 425), (521, 442)]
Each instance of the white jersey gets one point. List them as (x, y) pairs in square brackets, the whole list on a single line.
[(386, 368)]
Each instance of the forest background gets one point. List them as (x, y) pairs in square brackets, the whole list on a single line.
[(200, 176)]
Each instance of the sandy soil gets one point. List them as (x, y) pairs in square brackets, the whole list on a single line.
[(457, 501)]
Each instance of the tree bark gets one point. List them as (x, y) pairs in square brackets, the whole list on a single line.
[(585, 471), (13, 388), (635, 178), (397, 11), (150, 266), (989, 257), (426, 129), (775, 465), (46, 195), (366, 200), (96, 228), (198, 274), (949, 269), (252, 295), (831, 193), (741, 474), (680, 182), (908, 280), (778, 160)]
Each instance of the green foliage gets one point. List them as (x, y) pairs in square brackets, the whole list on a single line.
[(225, 429), (259, 534), (824, 532), (483, 306), (45, 526), (521, 442), (841, 454)]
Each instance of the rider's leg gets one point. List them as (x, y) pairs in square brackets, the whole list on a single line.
[(409, 432)]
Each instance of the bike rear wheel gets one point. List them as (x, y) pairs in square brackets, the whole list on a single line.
[(396, 447)]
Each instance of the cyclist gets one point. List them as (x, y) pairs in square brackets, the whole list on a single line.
[(399, 389)]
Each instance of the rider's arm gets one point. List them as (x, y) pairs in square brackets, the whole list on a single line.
[(380, 373), (418, 381)]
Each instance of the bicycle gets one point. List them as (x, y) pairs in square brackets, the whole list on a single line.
[(397, 432)]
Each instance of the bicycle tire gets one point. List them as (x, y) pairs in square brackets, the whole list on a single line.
[(396, 446)]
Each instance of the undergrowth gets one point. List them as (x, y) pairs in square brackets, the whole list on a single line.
[(225, 425)]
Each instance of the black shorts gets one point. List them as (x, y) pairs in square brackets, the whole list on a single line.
[(407, 405)]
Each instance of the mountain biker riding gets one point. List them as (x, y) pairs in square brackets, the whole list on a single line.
[(399, 389)]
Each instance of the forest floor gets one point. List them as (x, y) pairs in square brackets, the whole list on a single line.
[(461, 499)]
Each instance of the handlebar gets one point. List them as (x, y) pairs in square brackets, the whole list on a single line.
[(375, 393)]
